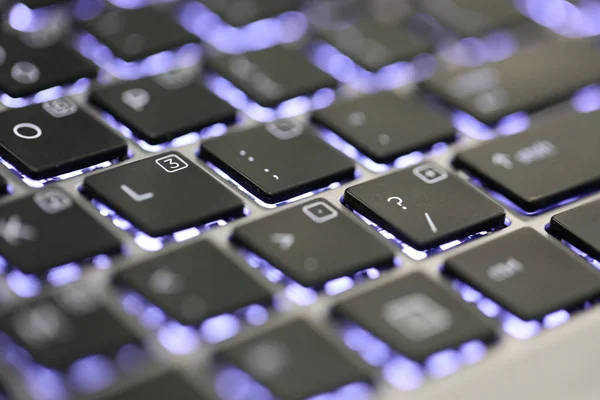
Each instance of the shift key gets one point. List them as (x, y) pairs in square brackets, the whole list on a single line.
[(547, 164)]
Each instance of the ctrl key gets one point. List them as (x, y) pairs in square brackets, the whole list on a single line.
[(527, 274), (294, 361)]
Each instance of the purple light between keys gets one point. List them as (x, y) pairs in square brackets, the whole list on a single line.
[(79, 86), (189, 138), (402, 372), (26, 286), (563, 17), (511, 324), (149, 243), (301, 295), (419, 255), (234, 384), (401, 162), (42, 182), (226, 90), (341, 67), (261, 203), (201, 21), (92, 374), (184, 57), (182, 339)]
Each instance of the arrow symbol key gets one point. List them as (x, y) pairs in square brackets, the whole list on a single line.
[(283, 240)]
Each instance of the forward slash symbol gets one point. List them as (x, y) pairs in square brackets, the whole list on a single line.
[(434, 228)]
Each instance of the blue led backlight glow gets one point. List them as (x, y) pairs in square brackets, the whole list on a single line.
[(563, 17), (42, 182), (23, 19), (27, 286), (226, 90), (189, 138), (401, 162), (392, 76), (201, 21), (182, 339), (474, 51), (52, 93), (261, 203), (511, 324), (184, 57), (234, 384), (87, 375), (401, 372), (422, 254), (587, 99), (153, 244), (595, 263), (302, 295)]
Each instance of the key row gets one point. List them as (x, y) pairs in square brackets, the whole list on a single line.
[(526, 274)]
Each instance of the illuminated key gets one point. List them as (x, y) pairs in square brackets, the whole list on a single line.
[(520, 83), (295, 361), (66, 327), (551, 162)]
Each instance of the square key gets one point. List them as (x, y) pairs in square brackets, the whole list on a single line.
[(26, 69), (373, 44), (272, 75), (527, 274), (294, 361), (66, 327), (164, 194), (160, 108), (242, 12), (49, 229), (278, 160), (194, 283), (137, 33), (425, 206), (49, 139), (384, 126), (416, 316), (293, 241)]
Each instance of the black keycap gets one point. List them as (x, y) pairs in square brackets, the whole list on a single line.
[(520, 83), (472, 17), (137, 33), (273, 75), (163, 107), (373, 44), (416, 316), (168, 385), (34, 4), (52, 138), (579, 227), (527, 274), (3, 186), (314, 242), (278, 160), (425, 206), (195, 283), (68, 326), (384, 126), (185, 195), (49, 229), (295, 361), (26, 70), (549, 163), (242, 12)]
